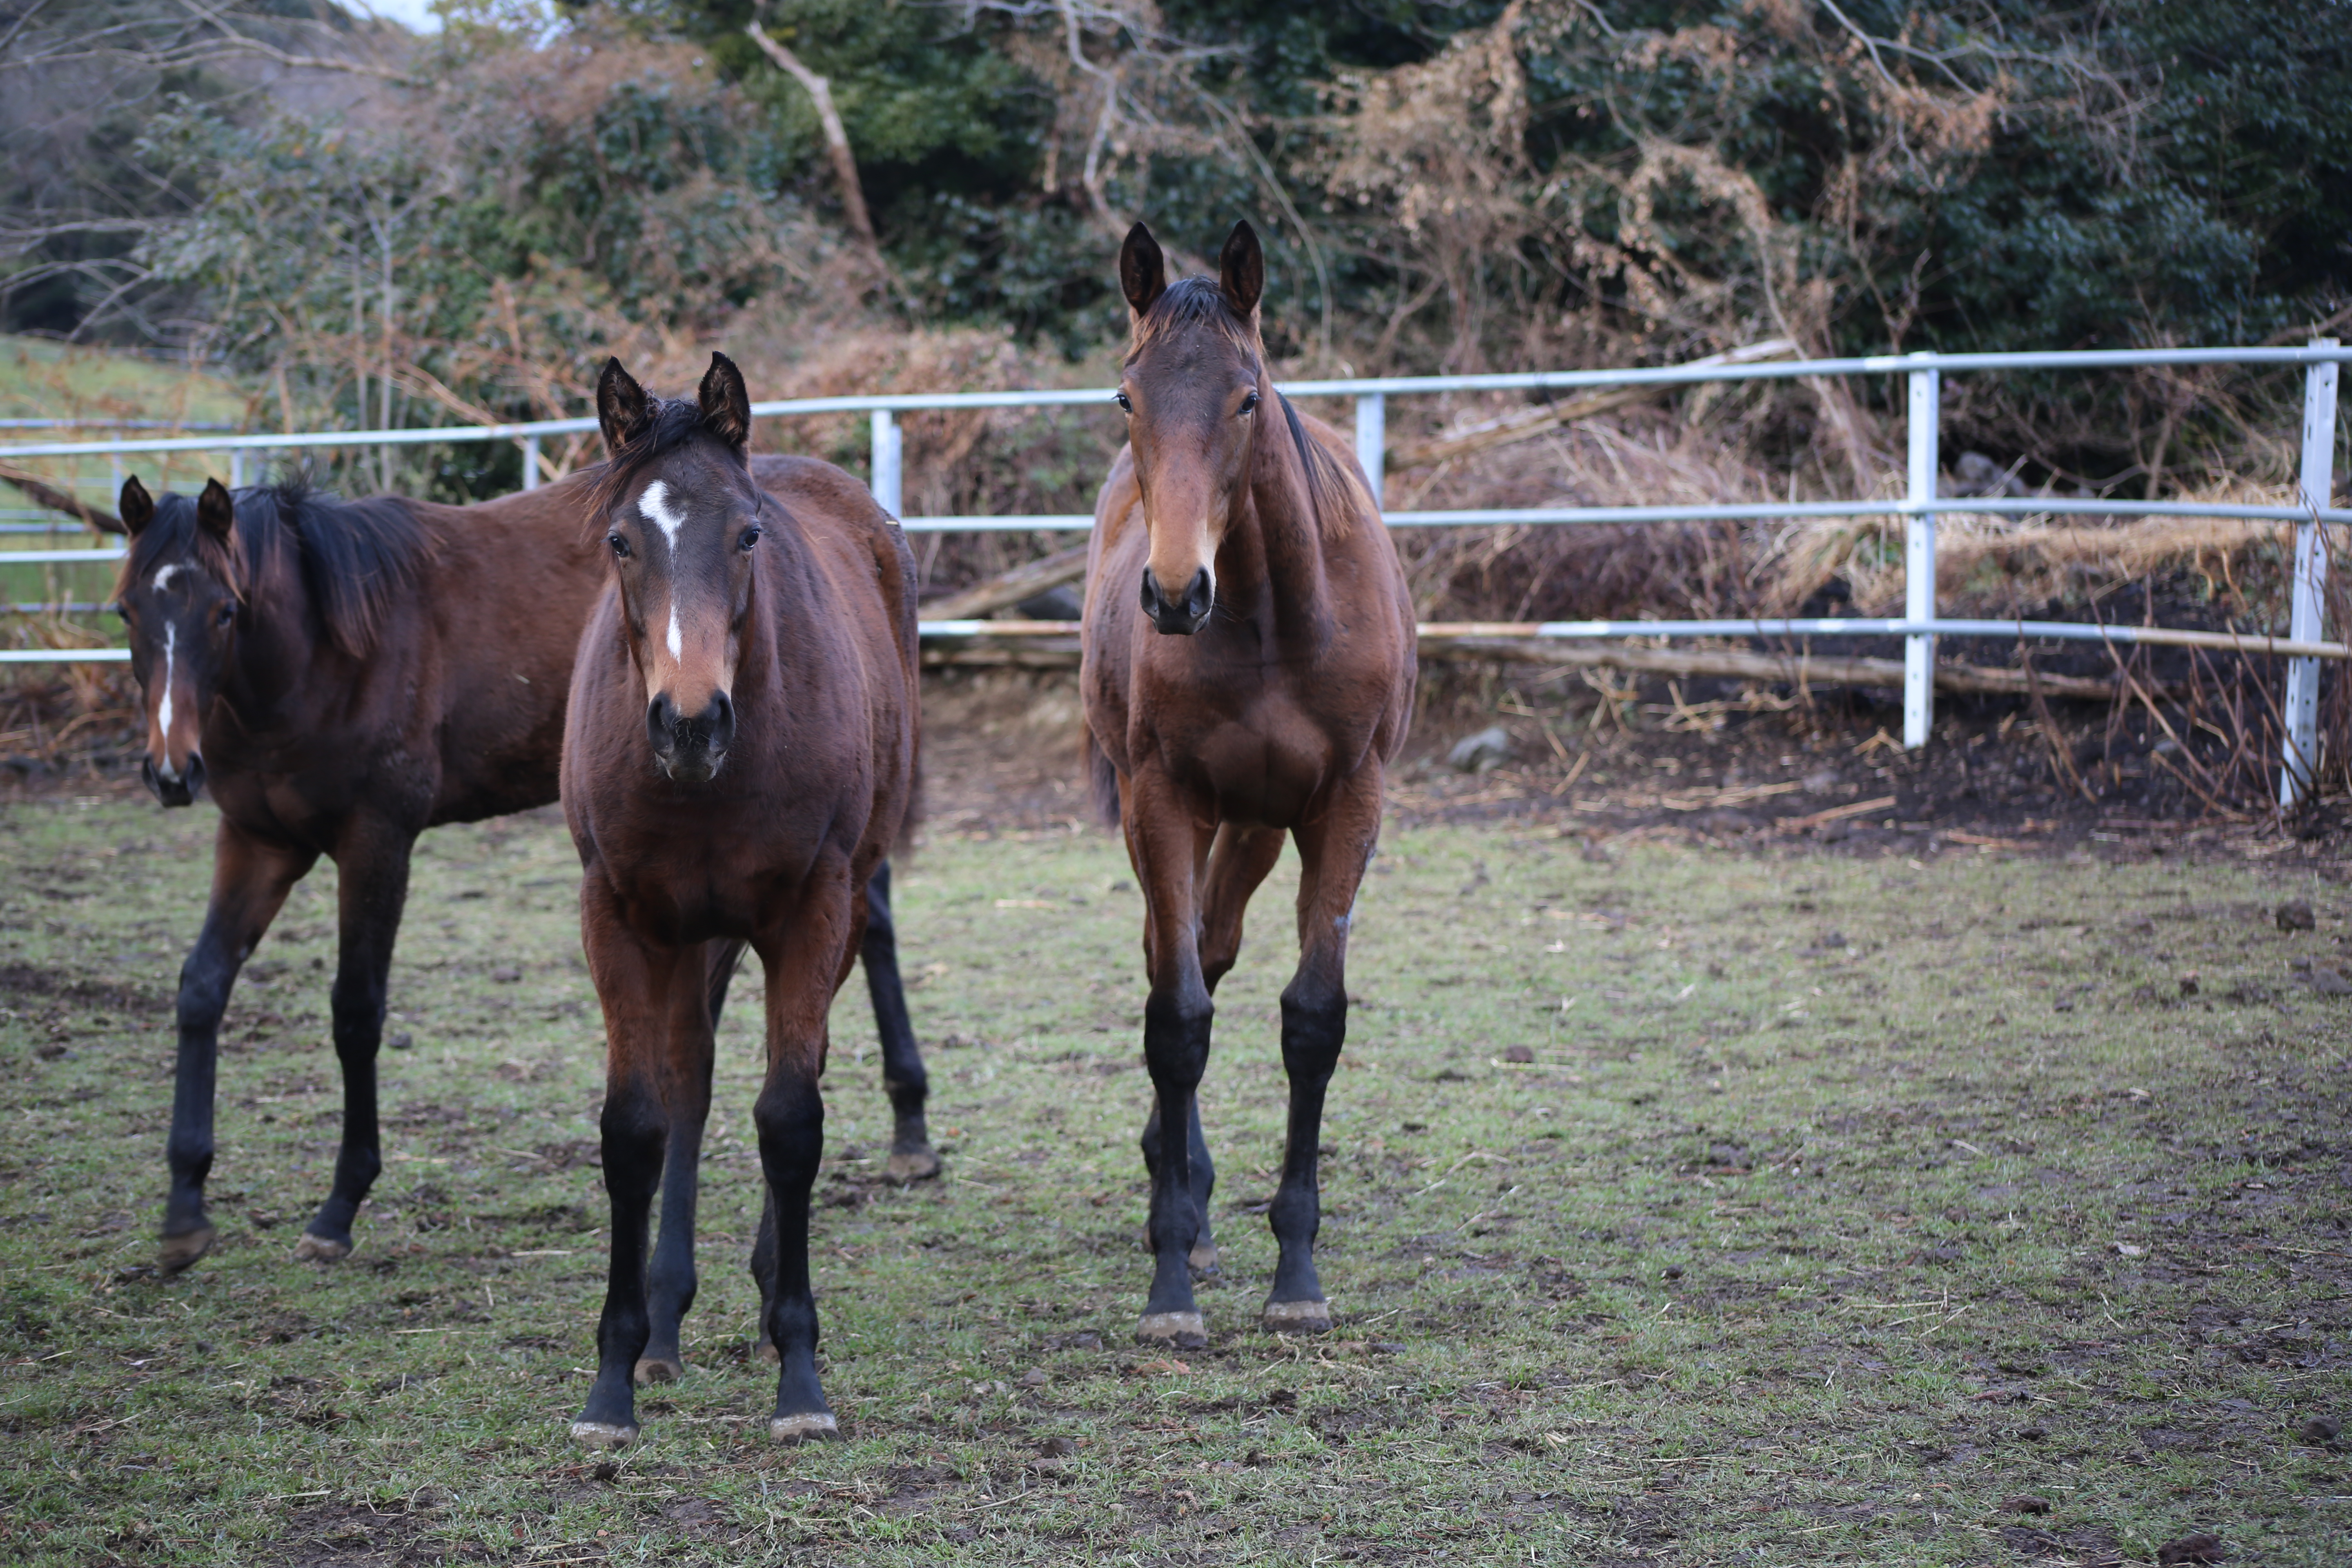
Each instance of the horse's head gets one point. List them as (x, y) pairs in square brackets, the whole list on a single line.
[(181, 595), (1194, 382), (682, 519)]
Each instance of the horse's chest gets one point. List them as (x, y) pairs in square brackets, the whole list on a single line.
[(1262, 754)]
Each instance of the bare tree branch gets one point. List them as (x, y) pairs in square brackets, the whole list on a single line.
[(836, 141)]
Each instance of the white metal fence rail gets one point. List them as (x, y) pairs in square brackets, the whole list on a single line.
[(1919, 628)]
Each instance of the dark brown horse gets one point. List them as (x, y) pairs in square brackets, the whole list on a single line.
[(739, 755), (342, 675), (1249, 673)]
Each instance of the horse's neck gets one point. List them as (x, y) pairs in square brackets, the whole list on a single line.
[(1285, 554), (274, 654)]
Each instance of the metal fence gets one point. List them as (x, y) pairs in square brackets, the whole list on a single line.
[(2304, 646)]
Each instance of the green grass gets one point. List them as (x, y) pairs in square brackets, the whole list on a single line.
[(1799, 1240)]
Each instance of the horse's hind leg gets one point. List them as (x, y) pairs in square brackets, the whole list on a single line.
[(912, 1159), (671, 1281), (1332, 851), (250, 882), (372, 862), (1202, 1259)]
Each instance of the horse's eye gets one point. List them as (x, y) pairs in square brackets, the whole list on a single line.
[(620, 545), (122, 612), (751, 537), (1249, 404), (1124, 405), (226, 614)]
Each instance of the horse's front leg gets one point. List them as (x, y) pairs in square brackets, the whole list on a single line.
[(912, 1158), (653, 997), (671, 1282), (1333, 850), (251, 877), (1168, 844), (1238, 862), (805, 954), (372, 862)]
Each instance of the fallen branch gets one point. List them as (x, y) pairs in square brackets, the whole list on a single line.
[(1835, 813), (1008, 588), (1527, 423), (41, 493), (1053, 644), (1805, 670)]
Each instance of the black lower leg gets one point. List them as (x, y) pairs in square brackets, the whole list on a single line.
[(205, 982), (903, 1078), (671, 1282), (1203, 1175), (634, 1140), (359, 1002), (1313, 1026), (1176, 1048), (790, 1119)]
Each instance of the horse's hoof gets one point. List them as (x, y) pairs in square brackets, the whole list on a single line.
[(1178, 1330), (1203, 1257), (655, 1369), (603, 1434), (316, 1248), (1299, 1317), (818, 1428), (906, 1166), (764, 1350), (179, 1251)]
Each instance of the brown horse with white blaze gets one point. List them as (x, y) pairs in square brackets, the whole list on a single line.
[(339, 676), (1249, 673), (739, 755)]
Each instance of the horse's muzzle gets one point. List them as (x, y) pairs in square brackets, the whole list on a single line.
[(180, 791), (690, 747), (1178, 617)]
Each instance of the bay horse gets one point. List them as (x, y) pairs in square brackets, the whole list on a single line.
[(1248, 668), (341, 676), (738, 756)]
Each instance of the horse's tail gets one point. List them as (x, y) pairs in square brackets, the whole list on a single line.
[(1102, 783)]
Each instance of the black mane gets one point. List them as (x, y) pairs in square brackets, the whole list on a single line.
[(355, 556)]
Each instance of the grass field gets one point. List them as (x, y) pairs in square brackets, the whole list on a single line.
[(1845, 1205)]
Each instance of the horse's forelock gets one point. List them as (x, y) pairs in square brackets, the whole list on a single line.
[(174, 536), (674, 423)]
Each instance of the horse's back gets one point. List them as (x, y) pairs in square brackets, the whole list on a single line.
[(510, 585)]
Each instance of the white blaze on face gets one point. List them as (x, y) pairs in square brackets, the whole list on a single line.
[(164, 718), (676, 646), (164, 576), (655, 504)]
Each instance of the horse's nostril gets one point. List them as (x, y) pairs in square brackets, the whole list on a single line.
[(720, 716), (1198, 594), (1150, 595)]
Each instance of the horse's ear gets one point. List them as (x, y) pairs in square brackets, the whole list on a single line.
[(725, 403), (1142, 269), (1241, 269), (215, 511), (136, 507), (623, 409)]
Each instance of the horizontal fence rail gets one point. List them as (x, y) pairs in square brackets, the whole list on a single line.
[(1919, 626)]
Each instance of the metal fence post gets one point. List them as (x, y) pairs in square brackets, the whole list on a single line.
[(531, 462), (237, 468), (1919, 562), (1372, 437), (2308, 621), (887, 448)]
